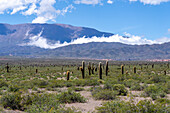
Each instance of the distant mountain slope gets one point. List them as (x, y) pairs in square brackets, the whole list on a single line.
[(97, 50), (12, 35), (16, 34)]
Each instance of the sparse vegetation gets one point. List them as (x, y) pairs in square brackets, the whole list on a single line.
[(56, 84)]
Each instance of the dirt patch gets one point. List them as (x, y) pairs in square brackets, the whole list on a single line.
[(89, 106)]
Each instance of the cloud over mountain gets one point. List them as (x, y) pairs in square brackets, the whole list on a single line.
[(40, 41)]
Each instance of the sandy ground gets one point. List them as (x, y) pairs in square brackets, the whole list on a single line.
[(89, 106)]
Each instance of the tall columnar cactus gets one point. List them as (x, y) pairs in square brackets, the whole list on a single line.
[(168, 65), (100, 70), (68, 75), (7, 68), (152, 65), (134, 69), (36, 70), (89, 68), (92, 68), (122, 69), (165, 72), (96, 69), (83, 69), (107, 68)]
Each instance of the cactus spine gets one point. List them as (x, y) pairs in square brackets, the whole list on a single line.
[(68, 75), (100, 70), (134, 70), (107, 68), (122, 69), (83, 69)]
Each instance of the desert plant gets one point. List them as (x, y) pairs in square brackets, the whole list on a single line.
[(100, 70), (71, 97), (107, 68), (83, 69), (68, 75), (103, 94), (122, 69), (120, 88)]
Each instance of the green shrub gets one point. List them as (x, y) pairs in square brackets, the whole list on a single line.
[(144, 106), (137, 87), (104, 94), (11, 100), (43, 103), (71, 97), (152, 89), (158, 78), (120, 88), (3, 83), (130, 83), (163, 101), (14, 88)]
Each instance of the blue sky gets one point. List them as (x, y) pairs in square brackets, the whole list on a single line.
[(145, 18)]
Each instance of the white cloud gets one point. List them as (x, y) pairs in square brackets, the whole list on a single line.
[(15, 10), (31, 10), (151, 2), (43, 9), (88, 2), (110, 2), (42, 42)]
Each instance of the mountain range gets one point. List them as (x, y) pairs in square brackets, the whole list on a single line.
[(13, 36)]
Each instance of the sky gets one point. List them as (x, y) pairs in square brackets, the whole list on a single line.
[(148, 19)]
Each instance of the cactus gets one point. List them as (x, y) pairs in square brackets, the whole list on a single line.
[(122, 69), (7, 68), (96, 69), (134, 69), (92, 68), (68, 75), (168, 65), (152, 65), (89, 68), (100, 70), (107, 68), (83, 69), (165, 72), (36, 70)]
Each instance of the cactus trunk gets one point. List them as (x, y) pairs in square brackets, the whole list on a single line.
[(100, 70), (83, 69), (89, 68), (107, 68), (134, 70), (68, 75), (122, 69)]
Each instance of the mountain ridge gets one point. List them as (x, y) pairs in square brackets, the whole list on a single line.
[(13, 35)]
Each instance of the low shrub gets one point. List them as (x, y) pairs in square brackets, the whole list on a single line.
[(3, 83), (120, 88), (104, 94), (143, 106), (71, 97), (11, 100)]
